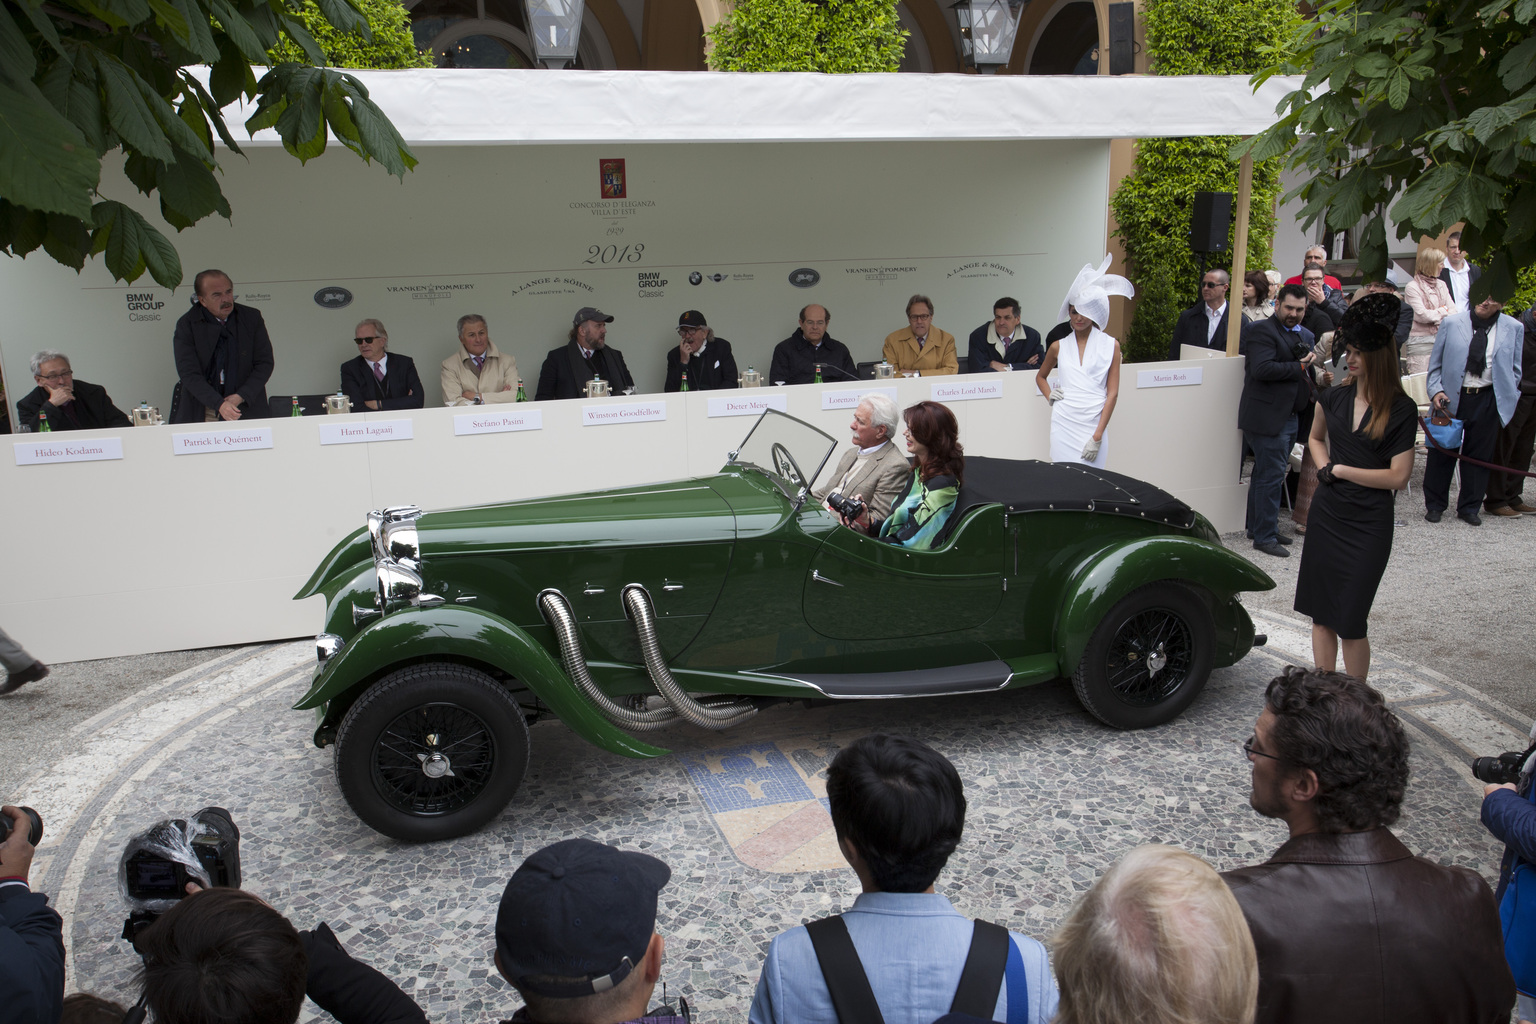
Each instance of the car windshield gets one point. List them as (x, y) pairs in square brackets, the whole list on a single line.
[(789, 451)]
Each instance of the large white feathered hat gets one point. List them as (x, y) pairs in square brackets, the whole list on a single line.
[(1090, 293)]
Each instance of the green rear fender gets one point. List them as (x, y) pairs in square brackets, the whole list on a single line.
[(464, 634), (1104, 579)]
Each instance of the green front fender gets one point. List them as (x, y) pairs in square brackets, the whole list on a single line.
[(342, 563), (470, 635), (1104, 579)]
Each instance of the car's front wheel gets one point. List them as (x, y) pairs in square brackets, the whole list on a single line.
[(1148, 658), (431, 752)]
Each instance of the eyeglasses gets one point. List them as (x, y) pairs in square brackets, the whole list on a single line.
[(690, 330), (56, 376), (1210, 284), (1250, 751), (919, 316), (364, 341)]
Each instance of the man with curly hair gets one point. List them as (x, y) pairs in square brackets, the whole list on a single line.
[(1349, 925)]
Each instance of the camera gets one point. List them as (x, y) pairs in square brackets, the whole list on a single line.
[(158, 863), (1496, 771), (848, 508), (34, 834), (1299, 351)]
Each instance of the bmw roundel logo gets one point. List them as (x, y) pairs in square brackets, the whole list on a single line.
[(695, 277), (805, 277), (333, 297)]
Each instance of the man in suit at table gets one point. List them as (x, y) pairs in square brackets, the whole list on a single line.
[(1204, 324), (921, 349), (585, 356), (1474, 374), (377, 378), (874, 468), (223, 355), (1004, 343)]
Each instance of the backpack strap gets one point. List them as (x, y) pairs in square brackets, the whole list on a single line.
[(843, 972), (982, 975)]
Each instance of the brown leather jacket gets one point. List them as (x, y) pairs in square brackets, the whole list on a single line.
[(1352, 927)]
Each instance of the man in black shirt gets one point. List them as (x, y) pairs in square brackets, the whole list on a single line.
[(795, 358), (68, 403), (584, 356), (223, 355), (705, 359)]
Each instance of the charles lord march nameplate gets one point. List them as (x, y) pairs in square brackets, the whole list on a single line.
[(622, 412), (741, 405), (963, 390), (360, 431), (850, 399), (498, 421), (229, 439), (36, 453), (1181, 377)]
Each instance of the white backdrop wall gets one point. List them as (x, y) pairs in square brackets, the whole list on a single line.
[(524, 236)]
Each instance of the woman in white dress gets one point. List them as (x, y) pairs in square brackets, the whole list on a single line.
[(1088, 361)]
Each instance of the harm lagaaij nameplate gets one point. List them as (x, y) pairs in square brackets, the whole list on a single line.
[(363, 431)]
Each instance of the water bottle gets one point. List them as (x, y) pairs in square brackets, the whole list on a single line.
[(296, 410)]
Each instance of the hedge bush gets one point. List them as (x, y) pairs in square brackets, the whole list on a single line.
[(792, 35), (1153, 204), (393, 45)]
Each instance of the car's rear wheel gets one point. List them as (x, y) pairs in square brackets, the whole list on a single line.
[(1148, 658), (431, 752)]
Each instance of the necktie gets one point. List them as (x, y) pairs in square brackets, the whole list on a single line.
[(479, 361), (378, 373), (1477, 355)]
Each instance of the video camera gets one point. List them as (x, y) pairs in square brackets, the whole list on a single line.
[(1501, 770), (157, 864)]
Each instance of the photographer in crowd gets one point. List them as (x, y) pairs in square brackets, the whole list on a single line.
[(31, 932), (1510, 814)]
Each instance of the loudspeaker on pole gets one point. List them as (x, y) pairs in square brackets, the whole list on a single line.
[(1210, 221)]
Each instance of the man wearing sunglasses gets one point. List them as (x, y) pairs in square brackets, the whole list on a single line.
[(378, 378), (1204, 324), (699, 356), (68, 403), (1349, 925)]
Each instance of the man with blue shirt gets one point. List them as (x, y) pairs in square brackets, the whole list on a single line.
[(1474, 375), (901, 953)]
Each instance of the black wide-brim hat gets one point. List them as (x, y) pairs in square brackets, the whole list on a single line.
[(1369, 323)]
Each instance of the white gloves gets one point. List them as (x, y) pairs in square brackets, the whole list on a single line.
[(1090, 450), (1055, 396)]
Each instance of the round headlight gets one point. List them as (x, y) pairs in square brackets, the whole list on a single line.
[(397, 585)]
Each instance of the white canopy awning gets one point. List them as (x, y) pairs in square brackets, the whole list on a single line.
[(486, 107)]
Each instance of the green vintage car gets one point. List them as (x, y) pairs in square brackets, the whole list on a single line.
[(626, 611)]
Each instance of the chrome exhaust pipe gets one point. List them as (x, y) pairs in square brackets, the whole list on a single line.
[(712, 715), (557, 612)]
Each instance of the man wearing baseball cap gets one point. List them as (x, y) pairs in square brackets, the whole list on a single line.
[(700, 356), (576, 935), (584, 356)]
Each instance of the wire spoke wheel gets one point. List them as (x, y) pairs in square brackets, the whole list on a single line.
[(433, 759), (1149, 657)]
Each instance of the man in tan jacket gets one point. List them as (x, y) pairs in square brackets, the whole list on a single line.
[(921, 348), (477, 373), (874, 468)]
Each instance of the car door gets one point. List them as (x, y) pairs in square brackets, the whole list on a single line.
[(862, 588)]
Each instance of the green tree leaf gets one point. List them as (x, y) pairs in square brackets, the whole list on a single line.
[(45, 163), (127, 112)]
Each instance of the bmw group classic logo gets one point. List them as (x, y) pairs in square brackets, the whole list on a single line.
[(333, 297), (805, 277)]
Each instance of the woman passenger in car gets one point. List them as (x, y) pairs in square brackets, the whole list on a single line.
[(938, 463)]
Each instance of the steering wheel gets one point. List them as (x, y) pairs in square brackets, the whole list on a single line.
[(784, 465)]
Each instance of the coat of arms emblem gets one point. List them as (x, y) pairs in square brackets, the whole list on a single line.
[(613, 178)]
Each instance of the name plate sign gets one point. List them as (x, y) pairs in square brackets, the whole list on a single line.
[(498, 422), (622, 412), (850, 399), (744, 406), (36, 453), (359, 432), (965, 390), (1179, 378), (230, 439)]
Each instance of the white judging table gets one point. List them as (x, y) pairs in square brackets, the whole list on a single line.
[(154, 552)]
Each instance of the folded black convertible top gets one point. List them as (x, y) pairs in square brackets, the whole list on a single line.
[(1028, 485)]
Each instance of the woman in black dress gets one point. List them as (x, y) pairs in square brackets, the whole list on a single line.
[(1362, 437)]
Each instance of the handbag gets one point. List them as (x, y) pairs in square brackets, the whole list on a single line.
[(1445, 430)]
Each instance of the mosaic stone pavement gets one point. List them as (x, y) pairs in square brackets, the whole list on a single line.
[(1054, 798)]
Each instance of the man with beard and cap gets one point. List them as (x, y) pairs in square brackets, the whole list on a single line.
[(223, 355), (1474, 375), (585, 356), (576, 936)]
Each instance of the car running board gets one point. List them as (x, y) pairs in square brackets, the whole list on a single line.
[(977, 677)]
